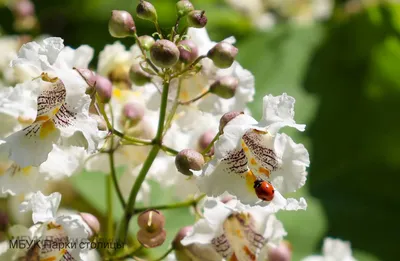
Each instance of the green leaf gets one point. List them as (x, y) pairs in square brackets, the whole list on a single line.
[(354, 165)]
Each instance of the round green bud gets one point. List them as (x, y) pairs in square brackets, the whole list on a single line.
[(133, 111), (183, 7), (121, 24), (225, 87), (164, 53), (187, 160), (146, 41), (138, 76), (197, 19), (146, 11), (223, 54)]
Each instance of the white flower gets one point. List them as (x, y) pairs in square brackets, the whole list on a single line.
[(53, 229), (333, 250), (62, 116), (235, 230), (250, 150)]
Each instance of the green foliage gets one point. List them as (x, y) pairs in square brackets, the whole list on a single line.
[(355, 167)]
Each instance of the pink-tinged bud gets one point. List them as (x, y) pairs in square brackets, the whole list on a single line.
[(225, 87), (4, 221), (223, 54), (152, 221), (138, 76), (182, 233), (103, 89), (281, 253), (226, 199), (164, 53), (146, 11), (92, 222), (146, 41), (151, 240), (226, 118), (24, 8), (183, 7), (197, 19), (121, 24), (187, 160), (188, 51), (89, 77), (133, 112), (205, 140)]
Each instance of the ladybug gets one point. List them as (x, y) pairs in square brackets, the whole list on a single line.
[(264, 189)]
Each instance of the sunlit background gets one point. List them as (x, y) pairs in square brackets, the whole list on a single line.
[(340, 60)]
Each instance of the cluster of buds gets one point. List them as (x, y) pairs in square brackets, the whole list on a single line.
[(151, 233)]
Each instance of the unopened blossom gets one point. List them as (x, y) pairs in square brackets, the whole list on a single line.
[(333, 250), (232, 232), (62, 108), (252, 158)]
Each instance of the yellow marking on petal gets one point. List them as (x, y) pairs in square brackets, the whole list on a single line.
[(233, 258), (250, 178), (42, 118), (47, 128), (45, 77), (52, 258), (253, 161), (55, 110), (63, 251), (244, 146), (238, 233), (53, 225), (23, 120), (264, 171), (117, 93), (184, 95), (26, 171), (248, 252)]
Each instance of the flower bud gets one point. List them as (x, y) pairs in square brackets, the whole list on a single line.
[(146, 41), (164, 53), (197, 19), (281, 253), (146, 11), (188, 51), (101, 123), (103, 89), (183, 7), (138, 76), (121, 24), (187, 160), (89, 77), (225, 87), (223, 54), (152, 221), (24, 8), (176, 243), (205, 140), (133, 112), (227, 117), (150, 240), (92, 222)]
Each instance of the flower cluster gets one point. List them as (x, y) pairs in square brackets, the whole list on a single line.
[(171, 109)]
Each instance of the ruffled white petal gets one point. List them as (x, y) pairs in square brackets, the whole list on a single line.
[(43, 207)]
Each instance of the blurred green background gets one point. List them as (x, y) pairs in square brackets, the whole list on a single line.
[(345, 76)]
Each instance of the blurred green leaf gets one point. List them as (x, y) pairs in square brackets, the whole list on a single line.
[(355, 167)]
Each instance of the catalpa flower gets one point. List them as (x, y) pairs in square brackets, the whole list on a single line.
[(62, 108), (53, 229), (257, 164), (333, 250), (233, 232)]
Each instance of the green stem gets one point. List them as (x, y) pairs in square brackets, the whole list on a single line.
[(174, 107), (158, 29), (188, 203), (189, 67), (163, 110), (169, 150), (206, 150), (144, 54), (110, 221), (134, 140), (114, 178), (195, 99)]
